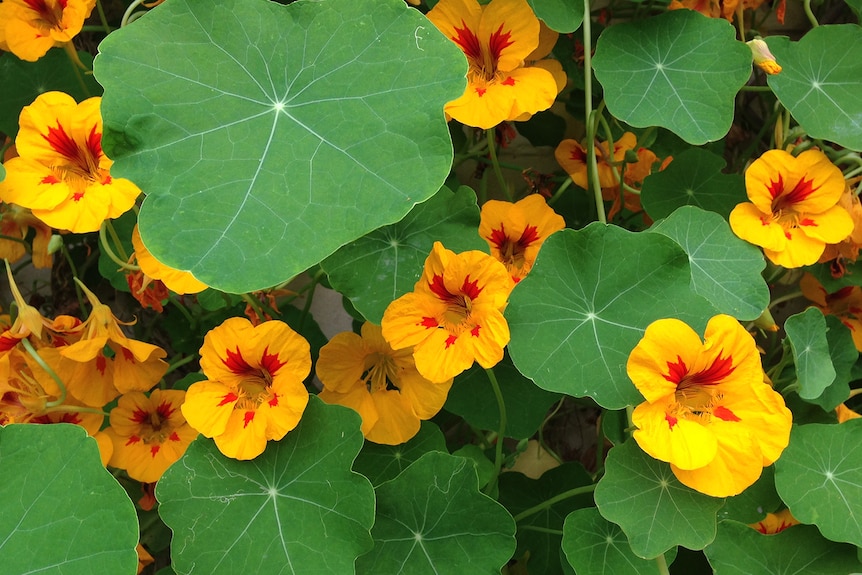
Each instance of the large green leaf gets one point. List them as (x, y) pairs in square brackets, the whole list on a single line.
[(298, 505), (694, 178), (596, 546), (432, 519), (560, 15), (385, 264), (820, 83), (806, 333), (740, 550), (381, 463), (843, 354), (586, 303), (267, 136), (655, 510), (724, 269), (819, 477), (679, 70), (63, 514)]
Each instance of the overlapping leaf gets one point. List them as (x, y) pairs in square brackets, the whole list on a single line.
[(680, 70), (819, 477), (843, 355), (267, 136), (806, 332), (298, 505), (655, 510), (819, 84), (63, 514), (724, 269), (381, 463), (385, 264), (560, 15), (755, 502), (432, 519), (586, 303)]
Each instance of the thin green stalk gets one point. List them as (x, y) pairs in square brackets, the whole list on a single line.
[(492, 150), (44, 365), (77, 65), (784, 298), (563, 187), (253, 304), (600, 447), (538, 529), (592, 165), (103, 240), (179, 363), (660, 561), (102, 17), (501, 434), (806, 5), (182, 309), (116, 239), (75, 276), (554, 500)]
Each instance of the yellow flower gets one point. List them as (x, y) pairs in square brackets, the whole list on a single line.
[(844, 413), (515, 232), (497, 38), (61, 174), (454, 316), (16, 222), (845, 304), (572, 157), (29, 28), (149, 433), (775, 522), (365, 374), (254, 392), (763, 57), (708, 411), (794, 209), (178, 281)]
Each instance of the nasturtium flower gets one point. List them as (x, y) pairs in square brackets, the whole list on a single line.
[(847, 250), (254, 391), (762, 57), (178, 281), (149, 433), (845, 304), (61, 172), (454, 315), (794, 209), (364, 373), (16, 222), (516, 231), (844, 413), (775, 522), (29, 28), (572, 157), (708, 411), (497, 39)]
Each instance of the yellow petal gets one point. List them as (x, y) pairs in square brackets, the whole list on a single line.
[(666, 437), (667, 344), (244, 436), (757, 227), (208, 406)]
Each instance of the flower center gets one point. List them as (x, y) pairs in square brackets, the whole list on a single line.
[(79, 164), (49, 15), (380, 373), (253, 391)]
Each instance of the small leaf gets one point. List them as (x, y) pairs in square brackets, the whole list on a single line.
[(806, 332), (297, 505), (694, 178), (561, 15), (484, 466), (820, 82), (385, 264), (740, 550), (843, 354), (432, 519), (268, 136), (655, 510), (680, 70), (63, 514), (594, 545), (819, 477), (586, 303), (381, 463)]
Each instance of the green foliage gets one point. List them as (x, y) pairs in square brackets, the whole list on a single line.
[(806, 333), (560, 15), (380, 463)]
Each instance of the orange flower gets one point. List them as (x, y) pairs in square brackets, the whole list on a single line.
[(62, 175), (775, 522), (844, 413), (572, 157), (29, 28), (845, 304), (454, 316), (254, 392), (16, 222), (848, 248), (178, 281), (515, 232)]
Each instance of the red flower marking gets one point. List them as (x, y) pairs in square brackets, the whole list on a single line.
[(128, 355), (133, 439), (274, 401), (671, 420), (49, 180), (165, 410), (174, 436), (530, 235), (154, 450), (270, 361), (101, 363), (7, 343), (471, 289), (140, 416), (775, 188), (450, 340), (475, 331), (77, 196), (438, 288), (499, 237), (247, 418), (481, 91), (724, 414), (236, 363), (498, 42), (800, 192), (228, 398), (468, 42), (426, 322), (715, 373), (807, 222), (509, 81), (676, 371), (578, 155)]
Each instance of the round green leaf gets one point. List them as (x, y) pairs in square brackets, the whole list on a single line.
[(819, 85), (432, 519), (680, 70), (806, 332), (297, 505), (724, 269), (740, 550), (561, 15), (655, 510), (594, 545), (381, 463), (819, 477), (63, 513), (385, 264), (695, 178), (267, 136), (586, 303), (843, 354)]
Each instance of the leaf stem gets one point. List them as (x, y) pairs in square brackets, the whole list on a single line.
[(806, 5), (660, 561), (563, 187), (103, 239), (501, 434), (492, 150), (592, 166), (554, 500), (102, 18), (47, 368)]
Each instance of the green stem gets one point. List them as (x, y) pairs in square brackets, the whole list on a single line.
[(492, 150), (554, 500), (103, 239), (660, 561), (116, 238), (542, 430), (784, 298), (102, 17), (182, 309), (254, 304), (179, 363), (47, 368), (501, 434), (592, 165), (563, 187), (540, 529), (77, 66), (806, 5), (71, 262)]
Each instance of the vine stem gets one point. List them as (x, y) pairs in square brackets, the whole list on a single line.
[(554, 500), (102, 17), (592, 165), (110, 252), (501, 434), (661, 562), (806, 5), (44, 365), (492, 150)]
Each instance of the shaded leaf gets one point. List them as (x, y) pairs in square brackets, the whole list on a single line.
[(384, 265), (755, 502), (843, 355), (63, 513), (267, 136), (655, 510), (560, 15), (680, 70), (806, 333), (297, 505), (381, 463), (433, 519), (586, 303), (819, 477)]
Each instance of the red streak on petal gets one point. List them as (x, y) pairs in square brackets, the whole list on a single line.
[(788, 235), (467, 41), (274, 401), (438, 288), (765, 220), (498, 237), (475, 331), (481, 91), (720, 369), (800, 192), (63, 144), (94, 144), (77, 196), (671, 420), (270, 361), (228, 398), (236, 363), (509, 81), (450, 340), (174, 436), (775, 188), (49, 180), (247, 418), (154, 450), (471, 289), (7, 343), (133, 439), (128, 355), (724, 414), (578, 155), (426, 322), (165, 410), (107, 181), (498, 42), (676, 371), (101, 363), (807, 222), (530, 235), (140, 416)]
